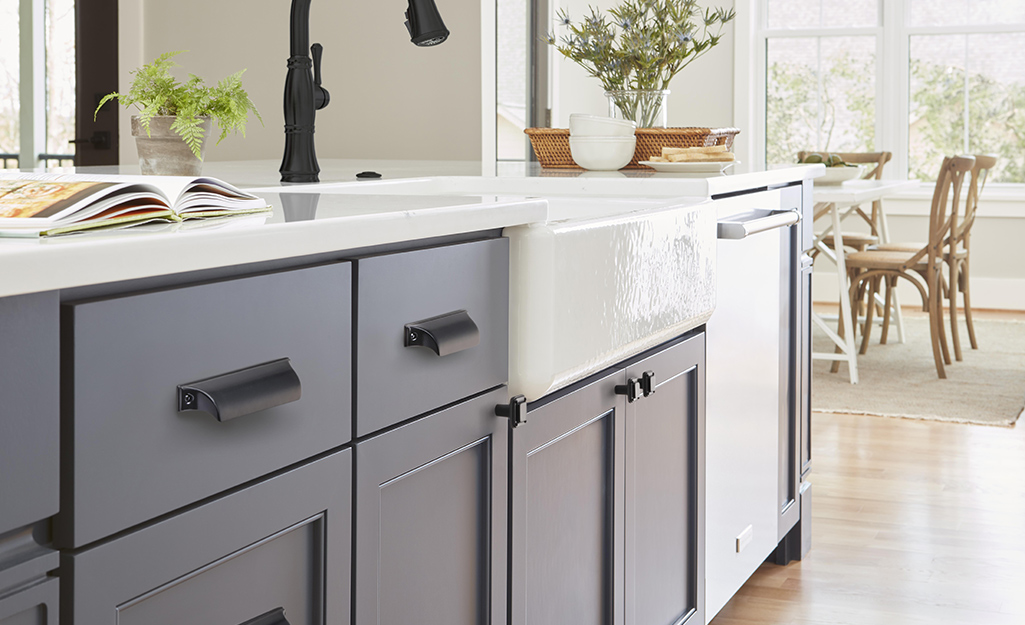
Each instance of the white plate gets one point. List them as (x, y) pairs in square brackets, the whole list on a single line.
[(691, 168)]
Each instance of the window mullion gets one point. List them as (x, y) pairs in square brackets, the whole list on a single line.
[(894, 108), (32, 81)]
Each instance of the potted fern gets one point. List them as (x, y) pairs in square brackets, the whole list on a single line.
[(175, 117)]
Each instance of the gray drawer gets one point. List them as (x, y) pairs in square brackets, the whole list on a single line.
[(30, 412), (134, 456), (282, 543), (35, 605), (395, 382)]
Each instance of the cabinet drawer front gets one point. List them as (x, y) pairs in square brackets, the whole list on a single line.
[(30, 416), (280, 544), (135, 456), (397, 382)]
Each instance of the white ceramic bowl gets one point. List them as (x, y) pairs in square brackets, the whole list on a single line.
[(581, 125), (838, 175), (602, 153)]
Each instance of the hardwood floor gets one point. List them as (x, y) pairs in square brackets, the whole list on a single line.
[(913, 522)]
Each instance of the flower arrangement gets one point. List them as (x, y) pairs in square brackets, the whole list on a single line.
[(640, 45)]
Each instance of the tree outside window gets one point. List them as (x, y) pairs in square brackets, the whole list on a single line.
[(964, 91)]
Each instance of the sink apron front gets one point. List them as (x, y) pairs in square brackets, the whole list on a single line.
[(586, 294)]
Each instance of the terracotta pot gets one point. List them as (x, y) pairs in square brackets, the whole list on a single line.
[(163, 152)]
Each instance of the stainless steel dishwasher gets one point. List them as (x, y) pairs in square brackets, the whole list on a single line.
[(750, 390)]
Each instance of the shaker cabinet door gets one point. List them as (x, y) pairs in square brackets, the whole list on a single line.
[(35, 605), (567, 555), (665, 489), (431, 517), (281, 545)]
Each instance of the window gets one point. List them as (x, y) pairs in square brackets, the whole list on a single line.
[(920, 78), (37, 81)]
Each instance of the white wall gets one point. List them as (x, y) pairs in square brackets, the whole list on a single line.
[(389, 98)]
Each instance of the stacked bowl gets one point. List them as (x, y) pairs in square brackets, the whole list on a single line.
[(601, 143)]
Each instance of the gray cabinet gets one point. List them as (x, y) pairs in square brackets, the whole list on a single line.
[(567, 505), (431, 515), (281, 544), (28, 592), (607, 497), (665, 539), (132, 454), (34, 605), (466, 283), (30, 410)]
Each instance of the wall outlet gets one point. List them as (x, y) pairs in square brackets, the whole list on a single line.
[(744, 538)]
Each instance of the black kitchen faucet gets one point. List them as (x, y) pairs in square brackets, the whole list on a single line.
[(304, 94)]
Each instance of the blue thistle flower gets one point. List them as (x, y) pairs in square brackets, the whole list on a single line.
[(625, 24)]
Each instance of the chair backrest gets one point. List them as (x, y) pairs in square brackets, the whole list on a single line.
[(945, 200), (980, 173), (878, 159)]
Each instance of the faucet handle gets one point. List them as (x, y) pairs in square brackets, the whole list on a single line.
[(321, 97)]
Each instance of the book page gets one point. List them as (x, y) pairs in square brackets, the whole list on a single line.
[(183, 193)]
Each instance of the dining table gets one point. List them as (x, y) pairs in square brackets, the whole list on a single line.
[(833, 204)]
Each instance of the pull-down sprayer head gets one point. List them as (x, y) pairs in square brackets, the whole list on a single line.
[(424, 23)]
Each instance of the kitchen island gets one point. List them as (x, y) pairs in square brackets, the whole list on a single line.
[(401, 459)]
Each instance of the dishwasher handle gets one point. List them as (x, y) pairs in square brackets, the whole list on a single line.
[(756, 220)]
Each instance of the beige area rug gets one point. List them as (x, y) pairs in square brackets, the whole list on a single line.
[(899, 380)]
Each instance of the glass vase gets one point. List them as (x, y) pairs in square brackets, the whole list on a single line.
[(650, 109)]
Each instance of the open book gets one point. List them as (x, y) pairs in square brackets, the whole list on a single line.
[(33, 205)]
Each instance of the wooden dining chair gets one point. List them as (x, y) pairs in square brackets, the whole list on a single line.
[(874, 171), (856, 241), (957, 255), (922, 267)]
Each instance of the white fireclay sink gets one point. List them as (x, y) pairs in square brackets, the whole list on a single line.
[(610, 274)]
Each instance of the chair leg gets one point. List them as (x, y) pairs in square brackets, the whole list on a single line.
[(936, 327), (952, 303), (966, 295), (937, 304), (840, 329), (888, 301), (866, 330)]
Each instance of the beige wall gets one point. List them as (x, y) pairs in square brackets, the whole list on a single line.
[(389, 98)]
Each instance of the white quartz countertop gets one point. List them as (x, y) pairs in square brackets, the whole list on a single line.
[(311, 219)]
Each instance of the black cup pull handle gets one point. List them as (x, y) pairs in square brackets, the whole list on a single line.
[(445, 334), (238, 393), (274, 617)]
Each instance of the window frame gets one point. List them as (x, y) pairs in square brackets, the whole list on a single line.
[(892, 32)]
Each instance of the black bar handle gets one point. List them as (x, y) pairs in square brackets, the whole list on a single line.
[(633, 389), (274, 617), (445, 334), (648, 383), (515, 410), (238, 393)]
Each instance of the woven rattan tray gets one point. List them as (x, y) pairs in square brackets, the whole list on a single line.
[(551, 145)]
